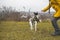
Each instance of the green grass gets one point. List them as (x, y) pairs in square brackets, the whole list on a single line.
[(11, 30)]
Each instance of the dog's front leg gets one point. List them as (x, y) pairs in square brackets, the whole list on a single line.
[(35, 25), (31, 26)]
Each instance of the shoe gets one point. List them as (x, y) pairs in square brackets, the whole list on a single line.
[(55, 34)]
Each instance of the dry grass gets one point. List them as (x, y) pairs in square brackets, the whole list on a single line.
[(11, 30)]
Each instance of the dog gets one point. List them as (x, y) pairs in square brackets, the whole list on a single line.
[(33, 21)]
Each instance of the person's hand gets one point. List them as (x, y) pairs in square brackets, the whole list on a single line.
[(42, 11)]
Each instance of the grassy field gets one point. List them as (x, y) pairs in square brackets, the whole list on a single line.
[(11, 30)]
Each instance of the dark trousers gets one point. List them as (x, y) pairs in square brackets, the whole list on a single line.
[(54, 23)]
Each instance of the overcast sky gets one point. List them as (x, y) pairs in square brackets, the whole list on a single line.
[(33, 5)]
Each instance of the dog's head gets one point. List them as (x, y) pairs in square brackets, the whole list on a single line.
[(35, 13)]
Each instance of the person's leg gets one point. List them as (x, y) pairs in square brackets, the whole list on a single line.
[(55, 25)]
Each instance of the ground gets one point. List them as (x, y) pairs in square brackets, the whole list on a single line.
[(14, 30)]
